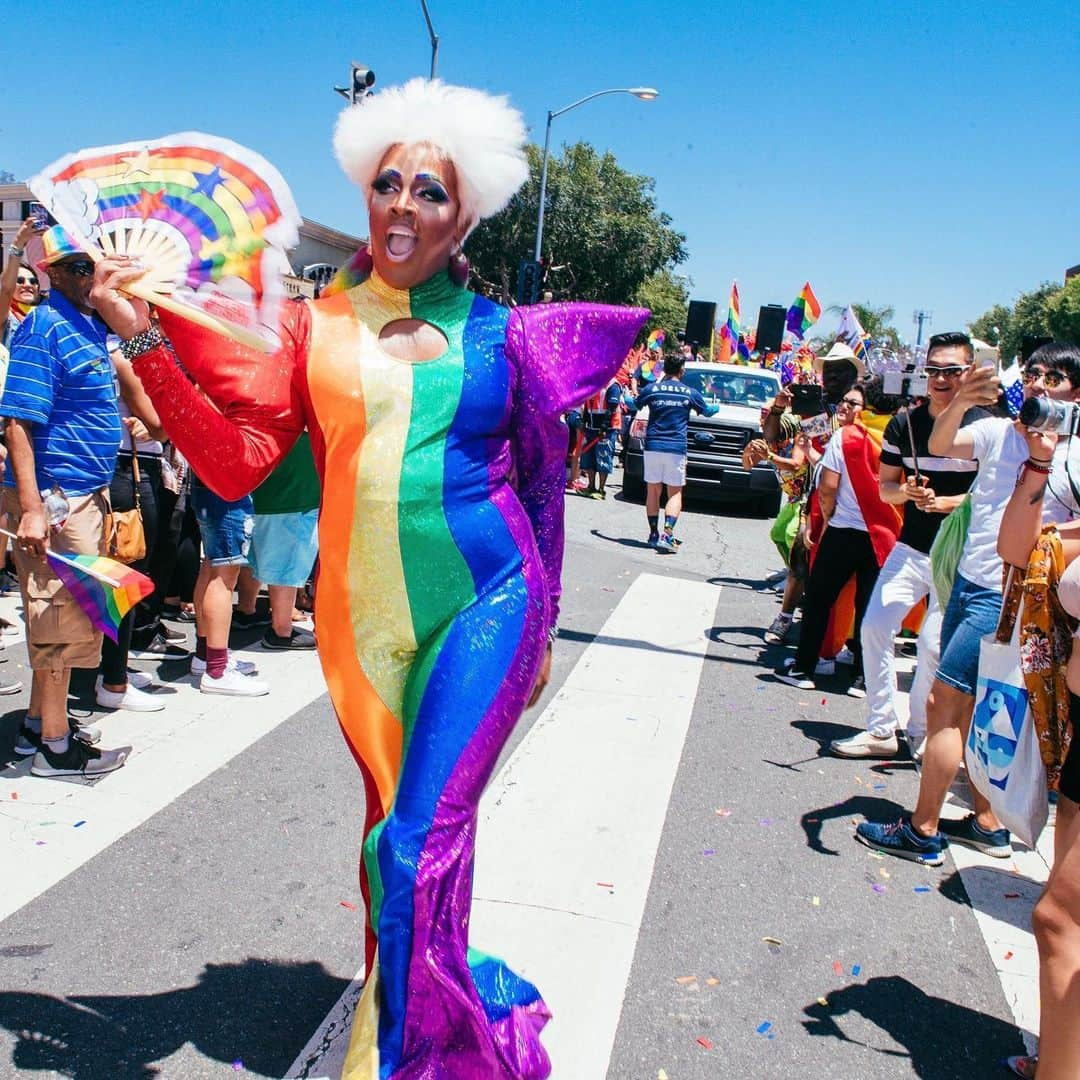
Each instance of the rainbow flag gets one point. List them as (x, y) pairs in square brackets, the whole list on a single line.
[(104, 588), (804, 312), (729, 332)]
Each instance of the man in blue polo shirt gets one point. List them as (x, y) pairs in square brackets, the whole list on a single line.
[(63, 432), (669, 401)]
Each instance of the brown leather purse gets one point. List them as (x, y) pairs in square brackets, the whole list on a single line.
[(124, 529)]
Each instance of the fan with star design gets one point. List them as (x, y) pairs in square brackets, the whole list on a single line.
[(209, 220)]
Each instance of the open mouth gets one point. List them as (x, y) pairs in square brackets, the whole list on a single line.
[(400, 242)]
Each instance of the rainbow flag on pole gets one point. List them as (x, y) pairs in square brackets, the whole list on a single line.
[(729, 332), (104, 588), (804, 312)]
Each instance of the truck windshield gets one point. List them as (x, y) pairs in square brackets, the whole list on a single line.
[(735, 388)]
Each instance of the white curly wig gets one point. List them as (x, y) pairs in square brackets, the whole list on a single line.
[(484, 136)]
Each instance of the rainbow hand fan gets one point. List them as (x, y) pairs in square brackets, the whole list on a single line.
[(209, 219)]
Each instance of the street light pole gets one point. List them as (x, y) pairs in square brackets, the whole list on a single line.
[(645, 93), (434, 40)]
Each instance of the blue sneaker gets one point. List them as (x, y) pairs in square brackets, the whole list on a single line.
[(900, 839), (654, 539), (993, 842)]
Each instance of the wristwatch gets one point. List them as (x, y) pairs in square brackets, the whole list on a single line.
[(142, 342)]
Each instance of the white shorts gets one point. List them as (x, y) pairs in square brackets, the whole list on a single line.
[(665, 467)]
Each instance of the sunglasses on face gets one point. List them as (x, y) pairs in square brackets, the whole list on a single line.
[(944, 372), (851, 403), (26, 280), (79, 269), (1050, 378)]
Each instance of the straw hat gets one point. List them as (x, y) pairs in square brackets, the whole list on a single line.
[(840, 351)]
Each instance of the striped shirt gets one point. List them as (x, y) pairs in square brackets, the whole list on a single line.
[(60, 379)]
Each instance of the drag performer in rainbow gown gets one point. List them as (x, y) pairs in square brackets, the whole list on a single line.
[(435, 419)]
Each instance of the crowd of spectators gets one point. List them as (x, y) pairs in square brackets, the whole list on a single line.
[(949, 511), (83, 445)]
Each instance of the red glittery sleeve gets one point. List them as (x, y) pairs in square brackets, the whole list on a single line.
[(257, 403), (561, 354)]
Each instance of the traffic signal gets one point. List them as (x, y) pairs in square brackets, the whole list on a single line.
[(530, 274), (360, 83)]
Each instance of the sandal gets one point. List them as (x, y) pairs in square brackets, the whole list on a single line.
[(1023, 1065)]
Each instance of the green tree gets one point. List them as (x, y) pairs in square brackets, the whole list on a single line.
[(991, 324), (1063, 313), (603, 233), (665, 294), (1029, 316)]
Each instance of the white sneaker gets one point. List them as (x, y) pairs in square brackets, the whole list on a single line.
[(234, 683), (844, 656), (865, 745), (141, 680), (245, 667), (132, 699)]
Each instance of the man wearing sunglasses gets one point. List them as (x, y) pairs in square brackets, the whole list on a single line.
[(63, 431), (975, 603), (926, 489)]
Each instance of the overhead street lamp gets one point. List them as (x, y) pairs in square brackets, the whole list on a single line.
[(644, 93)]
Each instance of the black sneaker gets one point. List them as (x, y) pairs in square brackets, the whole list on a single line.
[(298, 639), (160, 649), (77, 760), (169, 634), (28, 742), (241, 620), (176, 614), (969, 833)]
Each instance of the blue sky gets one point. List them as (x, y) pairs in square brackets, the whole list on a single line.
[(924, 155)]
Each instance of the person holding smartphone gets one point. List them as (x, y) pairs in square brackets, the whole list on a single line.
[(20, 290)]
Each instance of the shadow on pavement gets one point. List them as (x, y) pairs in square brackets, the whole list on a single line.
[(867, 806), (622, 541), (943, 1040), (250, 1013), (586, 638), (1003, 894)]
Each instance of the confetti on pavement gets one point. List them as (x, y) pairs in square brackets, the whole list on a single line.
[(1009, 955), (816, 901), (772, 941), (764, 1026), (856, 971), (685, 980), (705, 1042), (722, 812), (921, 889), (347, 904), (79, 824), (837, 967), (823, 1001)]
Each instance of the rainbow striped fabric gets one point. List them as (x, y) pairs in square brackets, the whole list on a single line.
[(804, 312), (104, 588), (437, 577)]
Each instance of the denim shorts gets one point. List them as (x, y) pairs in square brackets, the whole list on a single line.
[(284, 548), (971, 614), (225, 526)]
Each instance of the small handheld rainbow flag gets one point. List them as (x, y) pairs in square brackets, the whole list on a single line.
[(104, 588), (804, 312)]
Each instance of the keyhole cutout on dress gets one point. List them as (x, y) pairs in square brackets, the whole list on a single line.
[(413, 340)]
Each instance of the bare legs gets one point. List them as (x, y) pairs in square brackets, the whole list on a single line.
[(48, 699), (948, 717)]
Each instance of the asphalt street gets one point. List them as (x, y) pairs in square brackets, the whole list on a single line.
[(203, 919)]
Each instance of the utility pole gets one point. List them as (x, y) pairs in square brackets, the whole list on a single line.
[(921, 318)]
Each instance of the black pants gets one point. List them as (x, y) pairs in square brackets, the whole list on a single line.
[(114, 655), (841, 554)]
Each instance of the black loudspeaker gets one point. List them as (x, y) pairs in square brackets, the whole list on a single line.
[(770, 328), (700, 320)]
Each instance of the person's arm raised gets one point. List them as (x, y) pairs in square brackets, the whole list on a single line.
[(976, 386), (255, 410), (1021, 523)]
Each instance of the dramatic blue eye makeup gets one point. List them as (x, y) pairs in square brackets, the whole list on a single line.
[(387, 181), (431, 188)]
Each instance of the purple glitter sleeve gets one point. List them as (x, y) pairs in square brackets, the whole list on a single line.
[(561, 354)]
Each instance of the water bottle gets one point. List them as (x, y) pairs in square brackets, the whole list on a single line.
[(56, 507)]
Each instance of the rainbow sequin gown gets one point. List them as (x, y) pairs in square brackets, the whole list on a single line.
[(440, 536)]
